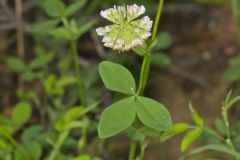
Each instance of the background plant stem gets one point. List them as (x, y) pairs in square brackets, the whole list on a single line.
[(225, 118), (83, 139), (77, 70), (20, 35), (144, 74), (57, 147)]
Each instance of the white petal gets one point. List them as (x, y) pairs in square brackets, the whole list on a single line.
[(101, 31), (146, 23), (109, 44), (136, 42), (110, 14), (107, 39), (145, 35), (134, 11)]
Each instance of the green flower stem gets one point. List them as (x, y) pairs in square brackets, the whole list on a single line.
[(157, 19), (15, 144), (144, 74), (83, 140), (214, 134), (142, 153), (55, 152), (225, 119), (133, 147), (77, 70)]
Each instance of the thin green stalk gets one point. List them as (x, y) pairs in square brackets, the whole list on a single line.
[(157, 19), (144, 73), (225, 119), (132, 152), (142, 153), (20, 35), (57, 147), (228, 141), (83, 139), (214, 134), (77, 70), (15, 144), (133, 145)]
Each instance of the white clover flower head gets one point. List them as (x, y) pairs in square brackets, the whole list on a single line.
[(126, 32)]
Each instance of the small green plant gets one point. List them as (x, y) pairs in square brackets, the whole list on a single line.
[(224, 139), (60, 108), (130, 33)]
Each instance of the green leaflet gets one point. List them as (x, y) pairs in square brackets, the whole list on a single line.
[(153, 114), (190, 137), (117, 117), (117, 78)]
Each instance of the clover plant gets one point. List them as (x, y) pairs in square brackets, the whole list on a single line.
[(129, 32)]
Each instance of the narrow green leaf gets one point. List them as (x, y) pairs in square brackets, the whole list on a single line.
[(190, 137), (66, 80), (61, 33), (44, 27), (216, 147), (164, 40), (54, 8), (197, 119), (16, 64), (74, 7), (21, 113), (84, 28), (176, 129), (72, 113), (117, 78), (38, 62), (232, 74), (231, 102), (153, 114), (160, 60), (220, 125), (117, 117)]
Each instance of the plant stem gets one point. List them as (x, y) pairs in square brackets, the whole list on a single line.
[(144, 74), (225, 118), (132, 152), (142, 153), (157, 19), (20, 32), (20, 35), (83, 139), (77, 70), (214, 134), (60, 141)]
